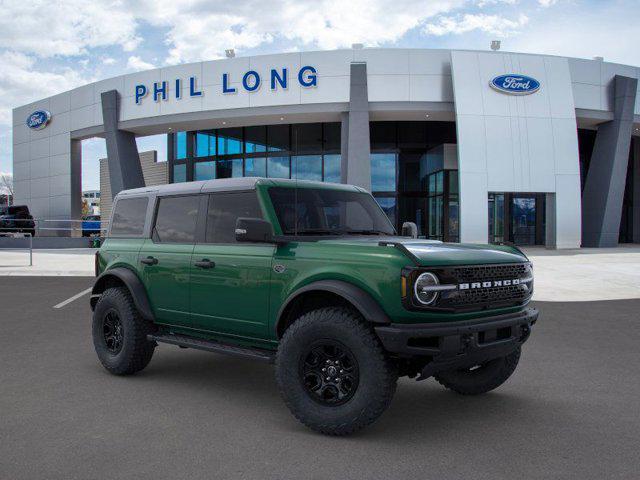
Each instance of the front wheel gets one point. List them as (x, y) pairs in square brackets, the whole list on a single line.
[(120, 333), (333, 373), (480, 378)]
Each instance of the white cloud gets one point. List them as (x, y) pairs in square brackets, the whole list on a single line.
[(205, 29), (491, 24), (46, 29), (547, 3), (17, 85), (109, 60), (136, 63)]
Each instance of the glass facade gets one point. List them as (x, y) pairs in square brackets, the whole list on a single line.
[(309, 151), (410, 180)]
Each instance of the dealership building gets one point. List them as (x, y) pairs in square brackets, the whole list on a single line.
[(472, 146)]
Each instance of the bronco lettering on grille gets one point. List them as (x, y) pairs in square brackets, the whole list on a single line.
[(491, 284)]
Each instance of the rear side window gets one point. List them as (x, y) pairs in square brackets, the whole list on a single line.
[(224, 210), (128, 217), (176, 219)]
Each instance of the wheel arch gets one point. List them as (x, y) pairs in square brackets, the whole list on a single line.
[(121, 276), (326, 291)]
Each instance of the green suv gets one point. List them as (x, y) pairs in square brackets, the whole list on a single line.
[(313, 278)]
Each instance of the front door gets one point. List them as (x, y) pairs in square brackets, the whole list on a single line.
[(165, 259), (523, 219), (230, 281)]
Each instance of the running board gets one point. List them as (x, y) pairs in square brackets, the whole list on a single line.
[(213, 346)]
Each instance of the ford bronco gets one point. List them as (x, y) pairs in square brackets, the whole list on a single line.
[(313, 278)]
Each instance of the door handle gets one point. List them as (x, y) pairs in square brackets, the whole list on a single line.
[(205, 263), (149, 260)]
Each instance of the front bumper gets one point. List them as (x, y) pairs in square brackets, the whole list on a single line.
[(451, 345)]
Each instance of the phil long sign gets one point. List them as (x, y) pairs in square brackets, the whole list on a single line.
[(251, 81), (515, 84)]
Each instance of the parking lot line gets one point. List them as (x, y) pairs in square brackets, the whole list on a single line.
[(75, 297)]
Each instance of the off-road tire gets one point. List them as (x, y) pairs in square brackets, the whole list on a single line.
[(483, 379), (136, 351), (377, 375)]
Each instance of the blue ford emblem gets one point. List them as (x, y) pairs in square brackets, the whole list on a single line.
[(515, 84), (38, 119)]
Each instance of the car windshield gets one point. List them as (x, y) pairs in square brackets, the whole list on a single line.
[(320, 211)]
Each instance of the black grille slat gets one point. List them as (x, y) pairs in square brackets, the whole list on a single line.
[(489, 297)]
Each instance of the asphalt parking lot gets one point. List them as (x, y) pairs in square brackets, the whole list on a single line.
[(571, 410)]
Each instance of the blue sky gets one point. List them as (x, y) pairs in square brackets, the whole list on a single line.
[(50, 47)]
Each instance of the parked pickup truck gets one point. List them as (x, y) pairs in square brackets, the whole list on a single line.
[(313, 278)]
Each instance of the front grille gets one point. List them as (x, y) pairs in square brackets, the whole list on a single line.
[(471, 299)]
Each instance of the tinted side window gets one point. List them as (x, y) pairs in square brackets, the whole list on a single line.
[(128, 217), (224, 210), (176, 219)]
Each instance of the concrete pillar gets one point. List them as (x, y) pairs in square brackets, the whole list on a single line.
[(604, 188), (356, 158), (636, 189), (124, 163), (550, 214)]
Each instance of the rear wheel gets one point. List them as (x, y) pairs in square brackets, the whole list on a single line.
[(120, 333), (480, 378), (332, 372)]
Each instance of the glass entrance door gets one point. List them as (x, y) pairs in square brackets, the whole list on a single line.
[(523, 220), (517, 218)]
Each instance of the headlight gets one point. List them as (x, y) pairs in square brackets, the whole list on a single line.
[(423, 288)]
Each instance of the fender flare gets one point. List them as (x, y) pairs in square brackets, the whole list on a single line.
[(369, 308), (133, 284)]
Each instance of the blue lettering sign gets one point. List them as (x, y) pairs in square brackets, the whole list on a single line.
[(515, 84), (310, 80), (159, 90), (192, 88), (275, 77), (251, 86), (141, 92), (225, 84)]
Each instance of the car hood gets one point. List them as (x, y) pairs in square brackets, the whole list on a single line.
[(434, 253)]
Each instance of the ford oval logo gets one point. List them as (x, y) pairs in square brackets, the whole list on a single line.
[(515, 84), (38, 119)]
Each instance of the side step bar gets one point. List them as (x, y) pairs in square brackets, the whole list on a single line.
[(213, 346)]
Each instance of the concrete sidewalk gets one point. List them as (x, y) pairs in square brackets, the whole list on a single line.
[(587, 274), (63, 262)]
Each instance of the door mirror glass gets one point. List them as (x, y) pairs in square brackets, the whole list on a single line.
[(254, 230), (409, 229)]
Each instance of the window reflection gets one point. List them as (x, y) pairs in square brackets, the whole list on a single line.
[(204, 170), (332, 167), (255, 167), (205, 144), (181, 145), (307, 167), (229, 168), (383, 172), (278, 167), (180, 173), (229, 141)]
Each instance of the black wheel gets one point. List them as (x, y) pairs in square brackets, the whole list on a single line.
[(333, 373), (480, 378), (120, 333)]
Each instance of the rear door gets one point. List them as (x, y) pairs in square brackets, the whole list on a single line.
[(165, 258), (230, 280)]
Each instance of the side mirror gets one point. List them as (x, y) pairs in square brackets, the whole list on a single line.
[(409, 229), (254, 230)]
